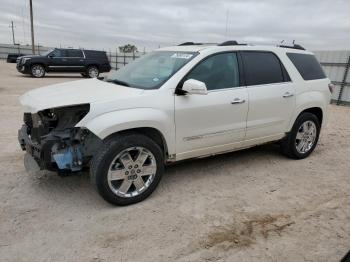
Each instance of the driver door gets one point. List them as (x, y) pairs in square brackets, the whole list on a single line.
[(57, 60), (216, 122)]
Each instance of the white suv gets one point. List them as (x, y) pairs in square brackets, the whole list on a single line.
[(172, 104)]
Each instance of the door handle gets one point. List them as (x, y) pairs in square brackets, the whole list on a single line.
[(237, 101), (288, 94), (64, 59)]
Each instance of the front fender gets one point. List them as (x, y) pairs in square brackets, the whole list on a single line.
[(116, 121)]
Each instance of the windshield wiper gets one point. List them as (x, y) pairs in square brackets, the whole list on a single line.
[(118, 82)]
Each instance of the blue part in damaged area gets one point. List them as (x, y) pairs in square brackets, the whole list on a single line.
[(69, 158)]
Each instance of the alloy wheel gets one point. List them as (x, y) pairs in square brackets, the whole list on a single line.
[(38, 71), (131, 172), (93, 72), (305, 137)]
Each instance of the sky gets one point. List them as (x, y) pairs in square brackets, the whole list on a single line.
[(107, 24)]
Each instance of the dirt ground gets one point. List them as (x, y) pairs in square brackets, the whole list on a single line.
[(252, 205)]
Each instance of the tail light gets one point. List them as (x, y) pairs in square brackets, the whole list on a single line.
[(331, 87)]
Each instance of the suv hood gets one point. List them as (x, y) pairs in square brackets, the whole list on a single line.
[(28, 56), (74, 93)]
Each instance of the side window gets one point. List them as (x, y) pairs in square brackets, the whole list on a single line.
[(263, 68), (74, 53), (217, 71), (307, 66), (58, 53)]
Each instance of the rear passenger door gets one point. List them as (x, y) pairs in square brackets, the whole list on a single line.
[(75, 60), (271, 94)]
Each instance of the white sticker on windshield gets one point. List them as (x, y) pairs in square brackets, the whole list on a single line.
[(181, 56)]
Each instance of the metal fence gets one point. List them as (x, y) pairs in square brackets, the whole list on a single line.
[(119, 60), (335, 64)]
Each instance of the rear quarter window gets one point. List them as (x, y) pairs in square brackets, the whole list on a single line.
[(95, 55), (307, 65)]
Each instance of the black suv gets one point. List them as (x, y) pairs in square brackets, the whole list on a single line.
[(89, 63)]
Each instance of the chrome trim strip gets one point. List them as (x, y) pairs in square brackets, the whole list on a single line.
[(218, 133), (65, 66), (67, 57)]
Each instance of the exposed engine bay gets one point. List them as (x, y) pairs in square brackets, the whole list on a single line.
[(51, 137)]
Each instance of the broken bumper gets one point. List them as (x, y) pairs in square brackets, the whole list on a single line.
[(26, 143), (54, 153)]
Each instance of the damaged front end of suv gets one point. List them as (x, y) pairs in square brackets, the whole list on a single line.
[(51, 138)]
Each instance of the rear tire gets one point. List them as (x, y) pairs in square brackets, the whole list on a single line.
[(84, 75), (37, 70), (302, 139), (127, 168), (92, 72)]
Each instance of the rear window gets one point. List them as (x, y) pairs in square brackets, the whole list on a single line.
[(263, 68), (307, 65)]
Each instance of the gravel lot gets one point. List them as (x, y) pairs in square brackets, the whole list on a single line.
[(252, 205)]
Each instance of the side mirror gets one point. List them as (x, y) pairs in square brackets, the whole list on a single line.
[(50, 56), (195, 87)]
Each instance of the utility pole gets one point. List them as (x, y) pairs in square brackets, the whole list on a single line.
[(13, 33), (227, 13), (31, 25)]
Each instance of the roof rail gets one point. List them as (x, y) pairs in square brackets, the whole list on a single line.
[(188, 43), (294, 46), (231, 42), (192, 43)]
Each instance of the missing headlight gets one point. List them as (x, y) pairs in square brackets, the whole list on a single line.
[(63, 117)]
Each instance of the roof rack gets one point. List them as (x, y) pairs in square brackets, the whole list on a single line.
[(234, 42), (294, 46), (230, 42)]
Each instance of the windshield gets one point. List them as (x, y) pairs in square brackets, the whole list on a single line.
[(151, 70)]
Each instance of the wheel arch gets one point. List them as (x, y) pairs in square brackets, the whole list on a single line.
[(92, 64), (39, 63), (316, 110), (150, 132)]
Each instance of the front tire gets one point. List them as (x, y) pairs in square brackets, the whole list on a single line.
[(37, 71), (127, 168), (303, 138)]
